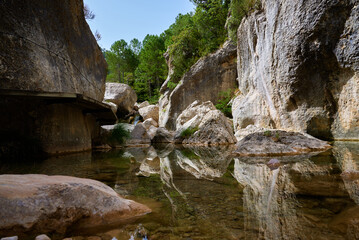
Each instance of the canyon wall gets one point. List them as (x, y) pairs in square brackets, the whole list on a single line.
[(298, 68), (47, 46)]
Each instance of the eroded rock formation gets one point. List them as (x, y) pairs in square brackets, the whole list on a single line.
[(40, 203), (205, 80), (298, 68), (47, 46)]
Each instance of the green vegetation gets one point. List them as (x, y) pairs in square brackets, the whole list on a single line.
[(224, 104), (119, 134), (189, 132), (267, 133), (238, 10), (192, 36), (190, 154)]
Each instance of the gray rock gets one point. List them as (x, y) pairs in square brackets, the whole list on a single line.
[(213, 128), (204, 82), (152, 132), (163, 136), (122, 95), (10, 238), (139, 136), (150, 122), (42, 237), (148, 112), (295, 74), (143, 104), (39, 203), (43, 54), (278, 143)]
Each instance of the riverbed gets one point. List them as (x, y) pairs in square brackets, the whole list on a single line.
[(207, 193)]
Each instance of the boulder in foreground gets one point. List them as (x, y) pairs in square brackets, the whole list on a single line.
[(279, 143), (40, 204)]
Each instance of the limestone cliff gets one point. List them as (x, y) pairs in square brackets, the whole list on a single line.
[(203, 82), (298, 68), (47, 46)]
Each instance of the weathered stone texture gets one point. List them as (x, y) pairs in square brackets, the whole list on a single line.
[(38, 203), (122, 95), (47, 46), (298, 68), (203, 82)]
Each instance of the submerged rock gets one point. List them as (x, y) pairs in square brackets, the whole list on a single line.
[(296, 75), (278, 143), (40, 203), (122, 95)]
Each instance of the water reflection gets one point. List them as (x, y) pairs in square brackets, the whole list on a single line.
[(205, 193)]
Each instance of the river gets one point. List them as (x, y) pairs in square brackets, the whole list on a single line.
[(207, 193)]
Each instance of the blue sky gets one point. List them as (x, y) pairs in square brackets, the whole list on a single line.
[(128, 19)]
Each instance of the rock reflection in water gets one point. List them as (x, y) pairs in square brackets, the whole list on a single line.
[(201, 193)]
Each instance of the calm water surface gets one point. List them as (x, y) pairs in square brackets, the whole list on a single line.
[(205, 193)]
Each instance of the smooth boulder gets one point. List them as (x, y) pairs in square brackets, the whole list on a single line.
[(279, 143), (202, 124), (36, 203), (150, 111), (163, 136), (139, 136), (122, 95)]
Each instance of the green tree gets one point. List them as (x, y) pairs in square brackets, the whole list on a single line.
[(152, 69), (122, 59)]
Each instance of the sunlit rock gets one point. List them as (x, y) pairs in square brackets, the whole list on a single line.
[(296, 75), (122, 95), (206, 79), (42, 203), (150, 111), (279, 143)]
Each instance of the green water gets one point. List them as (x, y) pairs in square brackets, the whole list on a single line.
[(206, 193)]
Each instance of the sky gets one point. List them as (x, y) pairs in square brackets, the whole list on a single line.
[(128, 19)]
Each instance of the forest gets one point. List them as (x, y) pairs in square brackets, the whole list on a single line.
[(142, 65)]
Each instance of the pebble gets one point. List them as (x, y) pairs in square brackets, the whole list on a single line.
[(42, 237), (10, 238)]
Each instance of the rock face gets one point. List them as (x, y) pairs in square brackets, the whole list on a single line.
[(40, 203), (150, 111), (213, 128), (204, 81), (295, 74), (122, 95), (163, 136), (47, 46), (139, 136), (278, 143)]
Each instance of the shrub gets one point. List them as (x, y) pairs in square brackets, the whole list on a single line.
[(223, 103), (267, 133), (189, 132), (119, 134)]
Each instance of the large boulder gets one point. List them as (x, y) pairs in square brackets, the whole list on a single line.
[(201, 123), (150, 111), (279, 143), (296, 74), (122, 95), (205, 81), (47, 46), (139, 136), (163, 136), (40, 204)]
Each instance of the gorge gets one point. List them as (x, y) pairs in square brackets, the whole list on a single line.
[(82, 158)]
